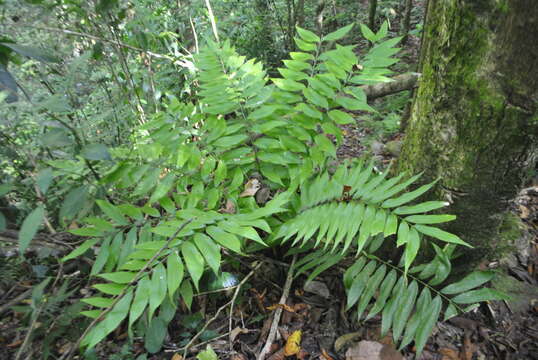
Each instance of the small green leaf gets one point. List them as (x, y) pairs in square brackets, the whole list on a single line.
[(141, 299), (420, 208), (207, 354), (155, 335), (80, 249), (194, 261), (441, 235), (158, 288), (98, 301), (120, 277), (110, 289), (338, 34), (427, 322), (95, 152), (429, 219), (403, 234), (307, 35), (359, 284), (112, 212), (44, 179), (111, 321), (475, 296), (174, 272), (209, 250), (469, 282), (367, 33), (305, 46), (406, 306), (340, 117), (29, 227)]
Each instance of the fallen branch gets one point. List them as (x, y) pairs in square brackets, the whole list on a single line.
[(9, 243), (399, 83), (278, 313)]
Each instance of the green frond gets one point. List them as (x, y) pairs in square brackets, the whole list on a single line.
[(405, 301)]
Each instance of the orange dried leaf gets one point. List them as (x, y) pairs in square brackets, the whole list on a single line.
[(283, 306), (325, 355), (177, 356)]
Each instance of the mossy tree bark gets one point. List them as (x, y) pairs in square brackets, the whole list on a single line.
[(474, 122)]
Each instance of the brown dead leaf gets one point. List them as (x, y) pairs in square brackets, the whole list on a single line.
[(372, 350), (229, 208), (177, 356), (468, 349), (449, 354), (279, 355), (302, 354), (251, 188), (283, 306), (345, 339), (14, 344), (325, 355), (235, 332), (293, 344), (238, 356)]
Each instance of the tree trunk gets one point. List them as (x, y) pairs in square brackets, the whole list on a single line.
[(372, 8), (299, 13), (474, 119), (406, 24)]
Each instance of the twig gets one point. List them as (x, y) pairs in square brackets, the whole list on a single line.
[(139, 274), (16, 300), (212, 20), (278, 313), (235, 297), (114, 42)]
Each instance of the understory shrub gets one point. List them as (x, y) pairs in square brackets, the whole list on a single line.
[(191, 183)]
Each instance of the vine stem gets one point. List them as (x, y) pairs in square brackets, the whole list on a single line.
[(120, 296)]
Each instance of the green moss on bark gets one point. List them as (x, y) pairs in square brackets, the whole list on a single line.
[(472, 119)]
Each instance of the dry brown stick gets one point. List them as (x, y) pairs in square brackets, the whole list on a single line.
[(137, 277), (278, 312), (399, 83), (235, 297)]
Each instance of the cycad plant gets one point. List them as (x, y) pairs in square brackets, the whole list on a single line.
[(179, 196)]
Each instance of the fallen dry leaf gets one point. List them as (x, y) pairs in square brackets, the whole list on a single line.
[(283, 306), (251, 188), (279, 355), (449, 354), (468, 349), (177, 356), (293, 344), (229, 208), (14, 344), (372, 350), (238, 356), (235, 332), (345, 339), (325, 355)]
